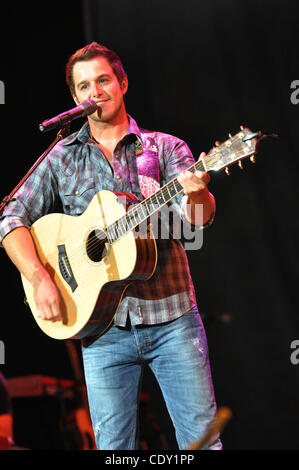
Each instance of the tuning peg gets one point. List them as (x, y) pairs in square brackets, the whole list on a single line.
[(240, 165), (252, 158), (242, 128), (217, 143), (227, 171), (229, 135)]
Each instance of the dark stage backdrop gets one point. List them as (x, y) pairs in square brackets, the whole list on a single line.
[(197, 70)]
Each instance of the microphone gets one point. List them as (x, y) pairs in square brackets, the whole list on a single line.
[(84, 109)]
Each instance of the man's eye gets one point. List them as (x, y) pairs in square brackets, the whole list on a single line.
[(103, 80), (83, 87)]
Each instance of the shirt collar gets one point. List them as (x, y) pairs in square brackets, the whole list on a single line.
[(83, 134)]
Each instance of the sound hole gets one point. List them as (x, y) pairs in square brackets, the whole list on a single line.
[(96, 245)]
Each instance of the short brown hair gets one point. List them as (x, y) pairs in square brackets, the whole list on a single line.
[(89, 52)]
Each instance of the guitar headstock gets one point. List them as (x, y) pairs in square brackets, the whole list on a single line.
[(238, 147)]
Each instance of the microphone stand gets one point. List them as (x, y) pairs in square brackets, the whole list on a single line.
[(62, 133)]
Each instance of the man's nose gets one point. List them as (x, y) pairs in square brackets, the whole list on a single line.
[(96, 90)]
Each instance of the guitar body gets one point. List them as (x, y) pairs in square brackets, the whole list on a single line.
[(91, 276)]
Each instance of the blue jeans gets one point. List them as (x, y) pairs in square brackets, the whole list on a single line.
[(177, 353)]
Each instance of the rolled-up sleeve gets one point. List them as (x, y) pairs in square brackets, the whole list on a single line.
[(9, 223), (199, 225), (34, 199)]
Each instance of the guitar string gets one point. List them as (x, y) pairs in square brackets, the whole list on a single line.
[(122, 222), (94, 243), (164, 191)]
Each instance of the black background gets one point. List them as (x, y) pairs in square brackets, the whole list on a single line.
[(197, 70)]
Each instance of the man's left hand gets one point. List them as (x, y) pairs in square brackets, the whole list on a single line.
[(194, 183)]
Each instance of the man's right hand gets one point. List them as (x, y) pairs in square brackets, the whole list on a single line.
[(46, 297), (20, 248)]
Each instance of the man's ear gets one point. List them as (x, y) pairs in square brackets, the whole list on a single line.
[(124, 85)]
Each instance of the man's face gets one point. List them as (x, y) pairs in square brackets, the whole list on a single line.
[(94, 79)]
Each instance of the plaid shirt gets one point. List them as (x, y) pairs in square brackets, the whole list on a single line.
[(67, 179)]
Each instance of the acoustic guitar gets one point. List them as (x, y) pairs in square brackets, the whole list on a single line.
[(92, 258)]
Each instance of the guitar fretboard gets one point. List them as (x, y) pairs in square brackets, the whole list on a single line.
[(139, 213), (239, 146)]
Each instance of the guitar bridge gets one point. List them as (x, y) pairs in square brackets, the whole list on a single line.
[(65, 268)]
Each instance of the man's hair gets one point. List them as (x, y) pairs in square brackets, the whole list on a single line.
[(90, 52)]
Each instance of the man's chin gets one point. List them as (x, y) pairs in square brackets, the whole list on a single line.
[(102, 116)]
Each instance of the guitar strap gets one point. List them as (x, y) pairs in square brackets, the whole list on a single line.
[(147, 163)]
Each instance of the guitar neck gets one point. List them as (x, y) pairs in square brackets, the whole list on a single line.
[(240, 146), (149, 206)]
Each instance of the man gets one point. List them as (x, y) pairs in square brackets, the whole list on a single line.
[(157, 321)]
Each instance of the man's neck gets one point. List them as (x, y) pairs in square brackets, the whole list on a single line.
[(109, 132)]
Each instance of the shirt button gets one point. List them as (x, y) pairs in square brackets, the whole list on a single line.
[(117, 177), (77, 192)]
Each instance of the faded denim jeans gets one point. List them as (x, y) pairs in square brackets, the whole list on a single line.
[(177, 353)]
